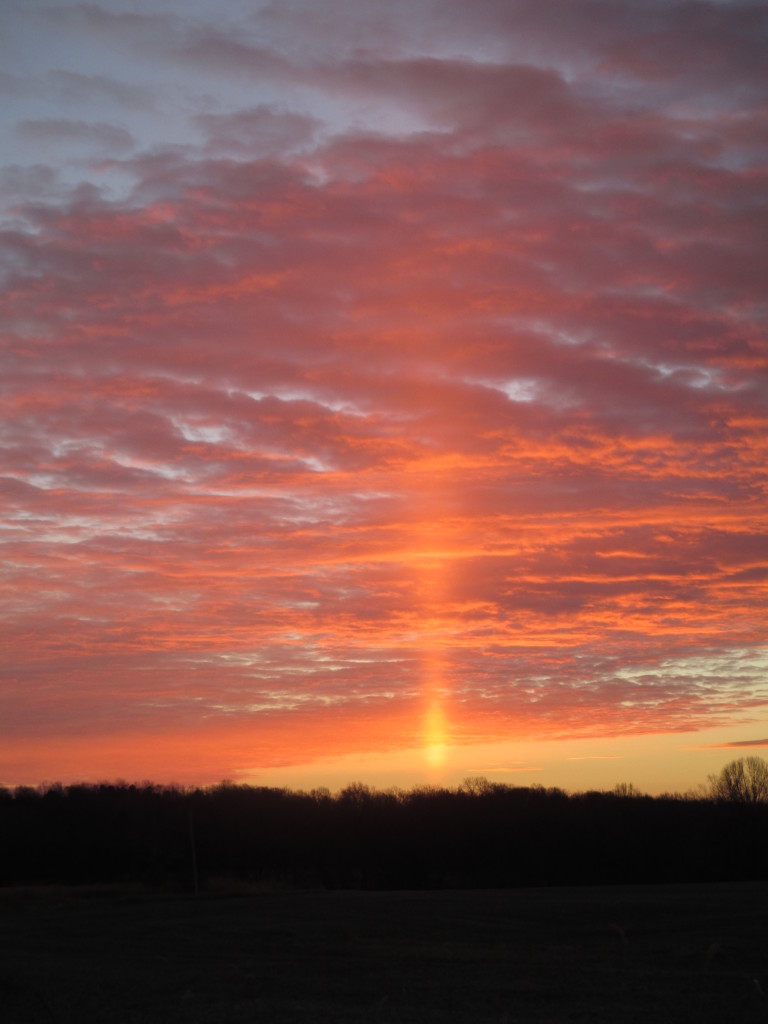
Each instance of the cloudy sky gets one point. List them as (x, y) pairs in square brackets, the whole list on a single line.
[(384, 390)]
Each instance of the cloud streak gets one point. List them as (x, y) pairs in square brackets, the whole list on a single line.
[(406, 376)]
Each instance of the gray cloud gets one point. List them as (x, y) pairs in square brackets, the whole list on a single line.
[(54, 131)]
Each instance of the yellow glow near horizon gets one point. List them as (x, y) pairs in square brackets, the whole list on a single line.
[(654, 763), (435, 734)]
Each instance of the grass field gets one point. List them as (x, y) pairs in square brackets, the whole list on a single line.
[(655, 954)]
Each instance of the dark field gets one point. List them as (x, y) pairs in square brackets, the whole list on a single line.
[(657, 953)]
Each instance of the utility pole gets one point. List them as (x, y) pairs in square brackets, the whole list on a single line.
[(194, 852)]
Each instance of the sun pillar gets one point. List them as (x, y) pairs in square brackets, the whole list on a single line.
[(435, 725), (432, 560)]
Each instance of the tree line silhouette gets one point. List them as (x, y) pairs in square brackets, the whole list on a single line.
[(479, 835)]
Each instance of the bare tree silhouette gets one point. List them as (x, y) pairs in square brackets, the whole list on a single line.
[(744, 781)]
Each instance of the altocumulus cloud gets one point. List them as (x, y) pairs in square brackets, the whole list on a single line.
[(349, 359)]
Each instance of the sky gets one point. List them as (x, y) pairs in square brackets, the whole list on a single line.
[(383, 391)]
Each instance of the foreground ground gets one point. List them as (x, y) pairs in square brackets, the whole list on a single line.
[(658, 954)]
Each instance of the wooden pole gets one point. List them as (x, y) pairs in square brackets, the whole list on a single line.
[(194, 852)]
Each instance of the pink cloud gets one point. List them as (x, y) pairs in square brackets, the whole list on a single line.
[(736, 744), (305, 410)]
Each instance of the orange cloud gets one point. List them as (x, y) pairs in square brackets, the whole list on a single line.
[(407, 400)]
